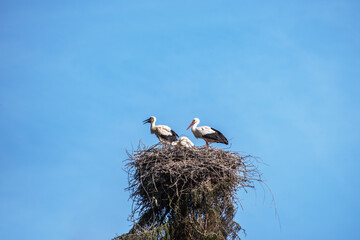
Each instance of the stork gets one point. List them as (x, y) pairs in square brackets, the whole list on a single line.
[(163, 133), (184, 142), (209, 134)]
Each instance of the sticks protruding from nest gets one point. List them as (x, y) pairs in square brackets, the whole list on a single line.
[(186, 193)]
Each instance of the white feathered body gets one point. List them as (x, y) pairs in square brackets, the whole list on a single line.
[(207, 133), (164, 133)]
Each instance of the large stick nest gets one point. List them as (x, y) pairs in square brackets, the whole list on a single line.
[(186, 193)]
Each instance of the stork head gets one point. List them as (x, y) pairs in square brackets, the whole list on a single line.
[(151, 119), (196, 120)]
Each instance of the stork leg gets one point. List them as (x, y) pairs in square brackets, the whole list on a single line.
[(207, 144)]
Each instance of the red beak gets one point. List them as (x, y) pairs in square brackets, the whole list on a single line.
[(192, 123)]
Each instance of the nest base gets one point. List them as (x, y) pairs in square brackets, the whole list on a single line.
[(186, 193)]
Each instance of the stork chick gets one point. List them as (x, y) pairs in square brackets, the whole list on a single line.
[(183, 142)]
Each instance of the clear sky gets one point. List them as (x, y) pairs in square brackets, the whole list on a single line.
[(280, 79)]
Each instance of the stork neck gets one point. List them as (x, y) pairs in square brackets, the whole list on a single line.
[(194, 126), (152, 127)]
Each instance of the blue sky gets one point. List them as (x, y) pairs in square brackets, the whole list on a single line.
[(280, 79)]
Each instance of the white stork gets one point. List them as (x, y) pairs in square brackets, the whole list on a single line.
[(184, 142), (209, 134), (164, 133)]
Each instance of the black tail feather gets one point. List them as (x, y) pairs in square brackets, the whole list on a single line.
[(217, 137)]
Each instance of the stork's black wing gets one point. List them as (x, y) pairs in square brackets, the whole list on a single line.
[(217, 136), (170, 138)]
